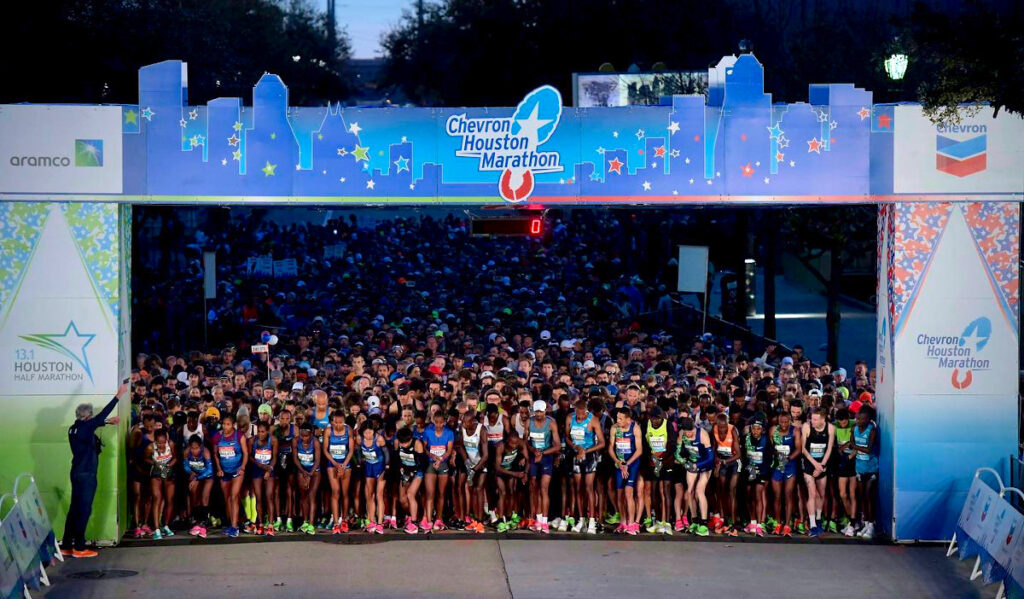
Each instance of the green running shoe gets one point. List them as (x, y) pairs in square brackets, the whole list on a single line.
[(570, 522), (613, 519), (832, 527), (701, 530), (503, 526), (800, 528), (289, 526), (516, 519), (770, 523), (844, 522), (278, 524)]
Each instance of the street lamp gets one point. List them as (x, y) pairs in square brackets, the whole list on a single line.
[(896, 66)]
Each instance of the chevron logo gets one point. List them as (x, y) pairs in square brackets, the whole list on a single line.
[(961, 157)]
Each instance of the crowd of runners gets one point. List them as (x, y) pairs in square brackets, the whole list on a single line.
[(425, 380), (524, 432)]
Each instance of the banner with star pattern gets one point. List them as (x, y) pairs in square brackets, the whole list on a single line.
[(733, 146)]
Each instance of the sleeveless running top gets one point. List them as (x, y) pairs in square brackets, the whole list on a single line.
[(420, 435), (508, 458), (783, 447), (755, 449), (843, 436), (262, 454), (372, 452), (657, 438), (186, 434), (866, 462), (625, 443), (284, 441), (162, 457), (337, 445), (817, 443), (321, 423), (306, 454), (517, 423), (693, 448), (229, 450), (472, 444), (496, 432), (724, 448), (540, 436), (407, 455), (580, 432)]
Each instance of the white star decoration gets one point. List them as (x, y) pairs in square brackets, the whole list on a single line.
[(766, 180), (615, 133), (674, 153), (354, 129), (370, 184), (792, 163), (193, 114), (223, 161), (687, 160), (647, 185), (639, 133), (674, 127)]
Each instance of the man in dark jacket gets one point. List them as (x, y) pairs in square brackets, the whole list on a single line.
[(85, 452)]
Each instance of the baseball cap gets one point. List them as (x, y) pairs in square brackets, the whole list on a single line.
[(865, 397), (787, 361), (814, 392), (540, 406), (545, 334), (373, 402), (588, 365), (212, 413), (841, 372), (297, 386)]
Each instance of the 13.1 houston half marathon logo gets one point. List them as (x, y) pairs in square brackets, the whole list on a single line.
[(31, 365), (960, 354), (511, 145)]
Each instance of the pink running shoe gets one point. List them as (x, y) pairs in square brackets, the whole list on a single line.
[(759, 530), (632, 529), (425, 525), (411, 528), (621, 528), (379, 529), (146, 530), (194, 531), (202, 532), (371, 527), (139, 534), (750, 528), (438, 525), (544, 528), (679, 526)]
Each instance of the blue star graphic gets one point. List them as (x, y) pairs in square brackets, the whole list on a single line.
[(72, 346), (402, 163), (775, 130)]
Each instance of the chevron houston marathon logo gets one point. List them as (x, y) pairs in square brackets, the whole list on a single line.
[(511, 145), (960, 150), (959, 354)]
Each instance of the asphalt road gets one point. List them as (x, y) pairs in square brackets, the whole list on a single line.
[(482, 568)]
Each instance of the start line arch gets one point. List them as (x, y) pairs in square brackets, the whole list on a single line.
[(948, 234)]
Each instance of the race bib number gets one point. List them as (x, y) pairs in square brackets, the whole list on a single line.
[(263, 456), (623, 446), (226, 452), (818, 450), (438, 450), (578, 434), (306, 459), (756, 457), (538, 440), (338, 452), (725, 451), (782, 450), (657, 444)]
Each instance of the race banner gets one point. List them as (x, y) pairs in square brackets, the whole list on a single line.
[(10, 576), (15, 535), (974, 523), (35, 518), (997, 547)]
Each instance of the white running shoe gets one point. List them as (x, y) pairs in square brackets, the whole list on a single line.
[(868, 532), (563, 525), (848, 531), (592, 527), (555, 523), (579, 525)]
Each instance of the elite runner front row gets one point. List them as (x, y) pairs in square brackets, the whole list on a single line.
[(655, 469)]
